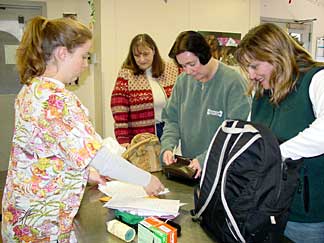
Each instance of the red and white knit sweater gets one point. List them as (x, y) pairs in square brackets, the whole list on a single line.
[(132, 102)]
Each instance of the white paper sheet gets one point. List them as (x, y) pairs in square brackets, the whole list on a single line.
[(116, 189), (146, 206), (123, 189), (133, 199), (165, 206)]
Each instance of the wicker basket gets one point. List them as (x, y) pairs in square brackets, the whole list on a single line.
[(144, 152)]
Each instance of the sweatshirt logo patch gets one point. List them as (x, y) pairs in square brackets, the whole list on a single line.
[(214, 113)]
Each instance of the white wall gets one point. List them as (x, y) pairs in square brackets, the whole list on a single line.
[(121, 20), (85, 89), (55, 9), (118, 21), (297, 10)]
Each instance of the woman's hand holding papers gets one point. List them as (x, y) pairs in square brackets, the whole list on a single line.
[(95, 178), (154, 187)]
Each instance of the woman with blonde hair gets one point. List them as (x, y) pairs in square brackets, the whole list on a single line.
[(288, 87), (54, 143)]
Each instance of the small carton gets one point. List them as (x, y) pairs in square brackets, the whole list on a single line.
[(154, 230)]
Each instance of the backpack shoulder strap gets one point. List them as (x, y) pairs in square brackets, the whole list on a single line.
[(226, 145), (222, 144), (241, 144), (213, 165)]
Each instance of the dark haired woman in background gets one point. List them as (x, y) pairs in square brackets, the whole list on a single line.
[(142, 87), (205, 94)]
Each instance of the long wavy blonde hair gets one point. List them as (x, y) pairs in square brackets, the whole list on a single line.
[(39, 40), (270, 43)]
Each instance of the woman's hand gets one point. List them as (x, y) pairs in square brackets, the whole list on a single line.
[(125, 145), (154, 187), (194, 164), (168, 157), (95, 178)]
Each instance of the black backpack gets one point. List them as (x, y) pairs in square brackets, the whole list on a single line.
[(245, 189)]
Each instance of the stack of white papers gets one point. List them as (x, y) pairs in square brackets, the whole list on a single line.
[(118, 189), (146, 206), (133, 199)]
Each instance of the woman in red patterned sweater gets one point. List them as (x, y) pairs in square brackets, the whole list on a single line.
[(142, 87)]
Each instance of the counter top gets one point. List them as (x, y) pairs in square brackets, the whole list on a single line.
[(90, 223)]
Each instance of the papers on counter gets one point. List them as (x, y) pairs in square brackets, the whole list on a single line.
[(122, 189), (145, 206), (133, 199)]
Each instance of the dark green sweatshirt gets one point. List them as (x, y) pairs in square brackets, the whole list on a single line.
[(286, 120)]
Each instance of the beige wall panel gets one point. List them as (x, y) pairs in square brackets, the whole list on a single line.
[(122, 20), (297, 10)]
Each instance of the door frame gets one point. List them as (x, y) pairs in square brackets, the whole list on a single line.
[(24, 4), (13, 9), (290, 25)]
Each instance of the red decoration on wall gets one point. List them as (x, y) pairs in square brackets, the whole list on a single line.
[(289, 1)]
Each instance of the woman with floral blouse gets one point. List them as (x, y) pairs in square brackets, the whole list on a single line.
[(54, 142)]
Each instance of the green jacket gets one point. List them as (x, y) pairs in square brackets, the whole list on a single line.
[(286, 120), (195, 110)]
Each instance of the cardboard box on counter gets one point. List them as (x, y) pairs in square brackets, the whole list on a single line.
[(154, 230)]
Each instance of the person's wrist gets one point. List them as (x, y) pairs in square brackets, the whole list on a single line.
[(148, 180)]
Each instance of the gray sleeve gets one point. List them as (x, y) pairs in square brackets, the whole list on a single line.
[(171, 134), (237, 102), (201, 158), (116, 167)]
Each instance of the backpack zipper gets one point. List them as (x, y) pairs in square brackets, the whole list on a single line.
[(306, 190), (284, 176)]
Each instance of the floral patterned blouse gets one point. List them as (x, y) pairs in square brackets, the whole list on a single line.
[(53, 143)]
